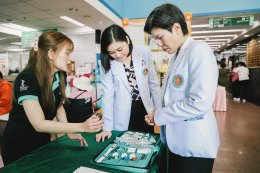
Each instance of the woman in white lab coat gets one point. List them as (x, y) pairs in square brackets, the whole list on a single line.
[(188, 124), (129, 82)]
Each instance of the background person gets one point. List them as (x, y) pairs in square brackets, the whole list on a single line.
[(235, 83), (243, 79), (129, 81), (223, 76), (188, 124), (5, 95), (39, 93)]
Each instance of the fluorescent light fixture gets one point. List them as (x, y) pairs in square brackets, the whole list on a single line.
[(215, 43), (200, 26), (2, 38), (17, 27), (217, 31), (213, 40), (10, 31), (71, 20), (16, 43), (16, 50), (214, 36), (246, 35), (228, 44)]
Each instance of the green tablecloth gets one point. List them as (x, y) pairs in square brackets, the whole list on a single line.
[(63, 156)]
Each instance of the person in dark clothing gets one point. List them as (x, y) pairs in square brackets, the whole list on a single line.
[(39, 93)]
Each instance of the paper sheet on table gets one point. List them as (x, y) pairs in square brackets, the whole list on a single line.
[(85, 169)]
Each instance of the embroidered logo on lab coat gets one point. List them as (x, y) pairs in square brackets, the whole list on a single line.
[(177, 80)]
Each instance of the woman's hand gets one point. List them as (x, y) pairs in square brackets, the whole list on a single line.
[(149, 119), (103, 135), (93, 124), (78, 137)]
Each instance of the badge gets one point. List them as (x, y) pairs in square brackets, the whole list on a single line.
[(177, 80), (145, 71)]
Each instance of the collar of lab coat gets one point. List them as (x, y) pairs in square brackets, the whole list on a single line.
[(175, 61), (118, 67), (182, 51)]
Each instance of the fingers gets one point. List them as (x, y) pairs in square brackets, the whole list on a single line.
[(149, 121), (84, 142), (102, 136), (93, 124), (95, 127), (109, 135), (98, 137), (151, 124)]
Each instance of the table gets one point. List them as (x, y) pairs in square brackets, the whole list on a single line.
[(220, 103), (64, 155)]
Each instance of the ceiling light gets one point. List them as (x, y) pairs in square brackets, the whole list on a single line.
[(228, 44), (10, 31), (207, 38), (217, 31), (18, 27), (216, 43), (71, 20), (214, 36), (2, 38), (16, 50), (200, 26), (241, 46), (213, 40), (246, 35), (16, 43)]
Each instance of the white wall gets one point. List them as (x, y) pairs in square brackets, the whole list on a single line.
[(136, 33), (84, 49)]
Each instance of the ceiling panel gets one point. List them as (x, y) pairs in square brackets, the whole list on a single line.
[(42, 14)]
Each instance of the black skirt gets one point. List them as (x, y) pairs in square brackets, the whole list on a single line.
[(137, 122)]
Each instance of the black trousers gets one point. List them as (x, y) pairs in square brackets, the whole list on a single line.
[(173, 163), (243, 85), (235, 89), (137, 122)]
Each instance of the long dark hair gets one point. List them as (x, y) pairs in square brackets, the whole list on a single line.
[(40, 64), (164, 16), (110, 35)]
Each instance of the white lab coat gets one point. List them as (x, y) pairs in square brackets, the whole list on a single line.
[(116, 104), (188, 122)]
